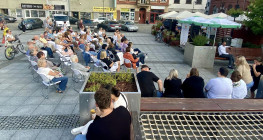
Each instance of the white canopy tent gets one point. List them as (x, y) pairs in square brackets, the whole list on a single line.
[(239, 19), (181, 15), (167, 14), (218, 15)]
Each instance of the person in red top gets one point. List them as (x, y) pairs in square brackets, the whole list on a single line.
[(133, 59)]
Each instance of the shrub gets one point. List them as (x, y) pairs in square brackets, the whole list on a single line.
[(159, 24), (200, 40), (173, 39), (250, 45)]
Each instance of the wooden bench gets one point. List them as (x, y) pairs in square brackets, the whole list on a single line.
[(249, 53)]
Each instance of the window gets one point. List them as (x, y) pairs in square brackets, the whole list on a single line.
[(230, 7), (198, 2), (27, 13), (215, 9), (188, 1), (176, 1), (42, 14), (34, 13), (163, 0)]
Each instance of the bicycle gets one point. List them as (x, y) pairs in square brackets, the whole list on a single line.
[(159, 36), (11, 50)]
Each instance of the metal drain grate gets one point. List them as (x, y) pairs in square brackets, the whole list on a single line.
[(202, 126), (38, 122)]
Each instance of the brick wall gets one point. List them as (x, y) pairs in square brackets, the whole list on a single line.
[(247, 35)]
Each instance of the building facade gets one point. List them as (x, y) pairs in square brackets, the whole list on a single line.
[(93, 9), (141, 11), (42, 8), (218, 6), (189, 5)]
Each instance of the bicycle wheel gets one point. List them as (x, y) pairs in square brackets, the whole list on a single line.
[(21, 48), (9, 53)]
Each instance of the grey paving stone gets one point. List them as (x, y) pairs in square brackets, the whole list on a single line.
[(25, 110), (30, 134), (44, 110), (25, 92), (64, 109), (50, 134), (76, 109), (52, 100), (69, 100), (7, 110), (67, 135), (16, 86), (4, 86), (34, 100), (6, 134), (16, 100)]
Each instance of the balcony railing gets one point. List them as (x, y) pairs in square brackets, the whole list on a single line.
[(143, 2)]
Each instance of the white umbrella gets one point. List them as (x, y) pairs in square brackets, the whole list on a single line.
[(181, 15), (218, 15), (240, 18), (167, 14), (193, 20), (201, 15)]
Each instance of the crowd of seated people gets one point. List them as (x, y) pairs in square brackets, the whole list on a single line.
[(243, 79)]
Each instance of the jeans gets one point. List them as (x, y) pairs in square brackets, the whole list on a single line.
[(259, 94), (80, 137), (63, 83), (230, 58), (136, 49), (49, 51), (250, 85), (140, 55)]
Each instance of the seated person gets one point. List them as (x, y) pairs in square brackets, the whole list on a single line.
[(113, 52), (66, 51), (239, 86), (46, 43), (82, 44), (75, 65), (138, 53), (104, 48), (31, 47), (193, 85), (222, 53), (172, 85), (52, 75), (43, 46), (108, 125), (134, 61), (220, 87), (33, 55), (124, 44), (113, 66), (49, 40), (53, 66)]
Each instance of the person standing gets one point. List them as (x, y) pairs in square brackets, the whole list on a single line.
[(220, 87), (80, 24), (222, 53), (146, 79), (23, 24), (193, 85), (172, 85)]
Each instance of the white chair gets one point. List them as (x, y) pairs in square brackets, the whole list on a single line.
[(47, 83), (97, 64), (77, 77), (34, 70), (104, 67), (66, 62), (29, 63)]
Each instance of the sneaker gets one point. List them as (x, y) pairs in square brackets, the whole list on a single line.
[(77, 130), (146, 55)]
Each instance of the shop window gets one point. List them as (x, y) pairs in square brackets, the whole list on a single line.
[(85, 15), (18, 13), (188, 1), (34, 13), (27, 13), (132, 10), (42, 14), (198, 2), (176, 1), (163, 1)]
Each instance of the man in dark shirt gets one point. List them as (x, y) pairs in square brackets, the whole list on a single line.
[(146, 79), (109, 124), (80, 25)]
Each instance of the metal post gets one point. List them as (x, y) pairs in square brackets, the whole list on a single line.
[(193, 7), (103, 10), (68, 7)]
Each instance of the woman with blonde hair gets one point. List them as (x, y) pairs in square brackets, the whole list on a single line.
[(244, 70), (172, 85), (113, 66)]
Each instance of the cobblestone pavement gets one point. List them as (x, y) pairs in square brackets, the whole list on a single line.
[(21, 100)]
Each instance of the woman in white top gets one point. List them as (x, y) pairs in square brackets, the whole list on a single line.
[(52, 75), (239, 86)]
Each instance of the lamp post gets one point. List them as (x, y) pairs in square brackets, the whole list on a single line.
[(103, 9), (194, 2), (68, 7)]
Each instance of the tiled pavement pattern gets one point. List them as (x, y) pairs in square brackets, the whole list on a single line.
[(20, 95)]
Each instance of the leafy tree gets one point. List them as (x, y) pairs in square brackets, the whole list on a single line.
[(255, 16), (235, 13)]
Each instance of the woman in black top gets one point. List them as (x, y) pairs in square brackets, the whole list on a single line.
[(256, 71), (172, 85), (193, 85), (113, 66)]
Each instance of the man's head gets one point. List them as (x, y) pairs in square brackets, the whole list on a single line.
[(31, 47), (42, 35), (224, 43), (223, 72), (104, 46), (81, 41), (40, 55), (36, 37), (103, 98), (145, 68)]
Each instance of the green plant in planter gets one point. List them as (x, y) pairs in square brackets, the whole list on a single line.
[(153, 27), (200, 40), (154, 32), (178, 37), (173, 39), (159, 24)]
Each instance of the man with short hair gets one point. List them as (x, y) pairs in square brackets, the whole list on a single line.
[(109, 123), (220, 87), (222, 53), (146, 79)]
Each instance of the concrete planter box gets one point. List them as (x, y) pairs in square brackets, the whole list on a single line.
[(199, 56), (87, 101)]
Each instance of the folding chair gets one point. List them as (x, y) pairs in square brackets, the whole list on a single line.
[(47, 83), (29, 63), (97, 64), (104, 67), (34, 70), (65, 61), (77, 77), (127, 61)]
